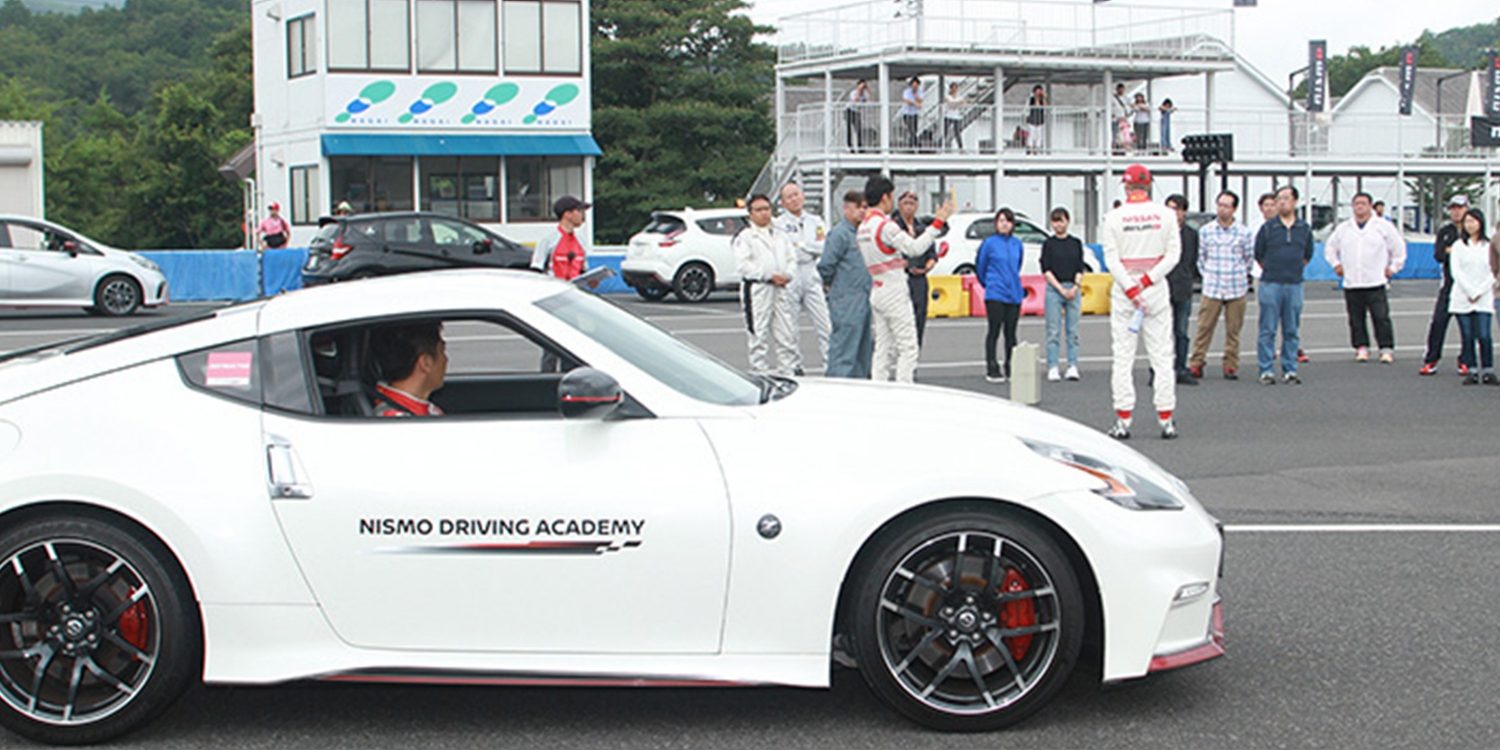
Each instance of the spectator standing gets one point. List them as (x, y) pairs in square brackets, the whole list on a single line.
[(1366, 252), (999, 270), (274, 232), (1122, 112), (343, 209), (1062, 266), (911, 111), (1226, 251), (854, 114), (1141, 118), (1167, 109), (1036, 120), (916, 267), (954, 105), (850, 344), (805, 232), (1141, 246), (765, 263), (1282, 250), (560, 253), (885, 249), (1180, 282), (1472, 300), (1437, 330)]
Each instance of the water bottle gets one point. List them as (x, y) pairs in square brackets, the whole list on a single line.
[(1136, 320)]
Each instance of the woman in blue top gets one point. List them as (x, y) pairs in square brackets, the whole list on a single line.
[(999, 270)]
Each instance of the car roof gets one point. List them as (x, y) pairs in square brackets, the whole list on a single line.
[(701, 213), (405, 294)]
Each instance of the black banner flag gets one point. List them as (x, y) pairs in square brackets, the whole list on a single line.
[(1408, 77), (1317, 75)]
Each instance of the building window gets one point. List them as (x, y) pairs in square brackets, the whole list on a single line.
[(369, 35), (372, 183), (544, 36), (456, 36), (301, 47), (305, 204), (467, 187), (532, 183)]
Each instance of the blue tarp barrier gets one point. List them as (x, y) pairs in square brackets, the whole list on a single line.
[(282, 269)]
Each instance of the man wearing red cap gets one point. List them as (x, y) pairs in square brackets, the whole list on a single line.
[(560, 253), (1141, 246)]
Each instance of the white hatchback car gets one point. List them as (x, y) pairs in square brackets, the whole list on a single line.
[(46, 265), (279, 530), (685, 252), (968, 230)]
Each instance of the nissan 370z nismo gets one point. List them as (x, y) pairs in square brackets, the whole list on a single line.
[(213, 498)]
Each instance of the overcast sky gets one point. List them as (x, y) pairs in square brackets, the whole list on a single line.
[(1274, 36)]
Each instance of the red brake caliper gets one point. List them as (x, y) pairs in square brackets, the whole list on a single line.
[(1020, 613), (135, 625)]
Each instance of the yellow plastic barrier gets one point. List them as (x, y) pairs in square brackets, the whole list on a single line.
[(1096, 288), (948, 298)]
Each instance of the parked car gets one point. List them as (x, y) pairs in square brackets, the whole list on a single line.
[(364, 245), (279, 530), (685, 252), (968, 230), (47, 265)]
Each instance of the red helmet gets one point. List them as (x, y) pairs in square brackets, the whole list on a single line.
[(1137, 174)]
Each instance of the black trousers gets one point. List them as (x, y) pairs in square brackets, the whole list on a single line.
[(1182, 313), (998, 316), (854, 124), (910, 122), (1375, 304), (919, 298), (1438, 330), (953, 131)]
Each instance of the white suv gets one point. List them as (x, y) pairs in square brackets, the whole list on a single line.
[(685, 252), (968, 230)]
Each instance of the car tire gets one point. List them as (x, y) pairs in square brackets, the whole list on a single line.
[(105, 625), (652, 293), (922, 634), (117, 295), (693, 282), (967, 269)]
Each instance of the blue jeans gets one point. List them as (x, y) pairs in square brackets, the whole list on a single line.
[(1280, 305), (1166, 131), (1475, 329), (1059, 309)]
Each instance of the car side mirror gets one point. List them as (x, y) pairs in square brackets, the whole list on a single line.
[(586, 393), (484, 246), (70, 247)]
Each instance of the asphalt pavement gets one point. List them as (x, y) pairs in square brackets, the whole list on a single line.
[(1360, 586)]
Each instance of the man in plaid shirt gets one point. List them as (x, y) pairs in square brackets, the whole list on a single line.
[(1226, 251)]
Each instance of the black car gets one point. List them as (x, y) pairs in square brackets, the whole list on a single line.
[(356, 247)]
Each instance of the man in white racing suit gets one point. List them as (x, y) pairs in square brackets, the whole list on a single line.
[(1141, 246), (764, 260), (805, 233), (885, 249)]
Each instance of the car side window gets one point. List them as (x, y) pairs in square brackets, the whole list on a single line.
[(454, 234), (4, 235), (405, 231), (28, 237), (1029, 233), (228, 371), (284, 373), (980, 229), (726, 226)]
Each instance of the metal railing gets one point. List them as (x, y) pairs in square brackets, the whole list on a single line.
[(1036, 26)]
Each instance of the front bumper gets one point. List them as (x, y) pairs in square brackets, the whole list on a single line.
[(1211, 648)]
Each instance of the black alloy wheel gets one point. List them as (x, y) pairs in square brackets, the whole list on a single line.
[(693, 282)]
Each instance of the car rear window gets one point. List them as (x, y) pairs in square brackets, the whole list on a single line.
[(665, 224), (327, 233)]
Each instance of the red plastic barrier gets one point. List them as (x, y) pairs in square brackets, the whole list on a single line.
[(976, 295), (1035, 302)]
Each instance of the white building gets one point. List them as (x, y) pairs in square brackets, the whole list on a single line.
[(475, 108), (21, 172)]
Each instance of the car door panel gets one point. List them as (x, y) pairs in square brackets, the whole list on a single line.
[(42, 274)]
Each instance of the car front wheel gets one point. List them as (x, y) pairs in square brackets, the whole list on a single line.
[(693, 282), (652, 293), (964, 270), (968, 620), (97, 631), (117, 295)]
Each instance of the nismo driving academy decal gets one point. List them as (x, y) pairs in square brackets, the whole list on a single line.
[(507, 536)]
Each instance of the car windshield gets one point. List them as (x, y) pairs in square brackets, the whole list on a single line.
[(683, 367), (664, 224)]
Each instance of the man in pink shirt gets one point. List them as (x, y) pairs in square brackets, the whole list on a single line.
[(274, 232), (1366, 252)]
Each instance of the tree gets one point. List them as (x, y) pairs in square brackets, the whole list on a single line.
[(681, 107), (189, 205)]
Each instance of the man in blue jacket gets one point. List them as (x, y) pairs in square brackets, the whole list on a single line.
[(851, 344), (1283, 248)]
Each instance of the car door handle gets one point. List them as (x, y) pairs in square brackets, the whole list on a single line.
[(288, 478)]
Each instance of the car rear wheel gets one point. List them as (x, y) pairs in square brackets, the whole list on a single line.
[(693, 282), (652, 293), (117, 295), (97, 635), (966, 269), (967, 620)]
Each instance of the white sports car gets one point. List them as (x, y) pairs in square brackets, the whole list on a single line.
[(211, 498)]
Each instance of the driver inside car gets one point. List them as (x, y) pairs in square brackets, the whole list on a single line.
[(413, 360)]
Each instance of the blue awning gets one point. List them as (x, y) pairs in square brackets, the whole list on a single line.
[(472, 144)]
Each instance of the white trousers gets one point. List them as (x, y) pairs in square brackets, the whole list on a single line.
[(769, 318), (1156, 330), (806, 292), (895, 332)]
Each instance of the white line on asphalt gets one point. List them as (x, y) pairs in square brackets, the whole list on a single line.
[(1362, 528), (1343, 350)]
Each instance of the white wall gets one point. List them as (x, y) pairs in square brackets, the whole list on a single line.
[(21, 170), (1367, 124)]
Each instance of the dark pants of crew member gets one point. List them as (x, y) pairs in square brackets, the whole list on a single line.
[(1438, 330), (953, 132), (856, 129), (919, 298), (1375, 304), (998, 316), (911, 130), (1182, 314)]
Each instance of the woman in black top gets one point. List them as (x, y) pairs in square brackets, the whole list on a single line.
[(1062, 265)]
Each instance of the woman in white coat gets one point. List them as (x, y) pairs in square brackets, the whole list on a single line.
[(1473, 298)]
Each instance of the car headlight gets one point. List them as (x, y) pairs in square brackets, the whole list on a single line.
[(1122, 486), (145, 262)]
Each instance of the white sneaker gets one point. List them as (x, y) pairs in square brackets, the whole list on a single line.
[(994, 378), (1052, 375), (1168, 429), (1072, 373), (1120, 430)]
